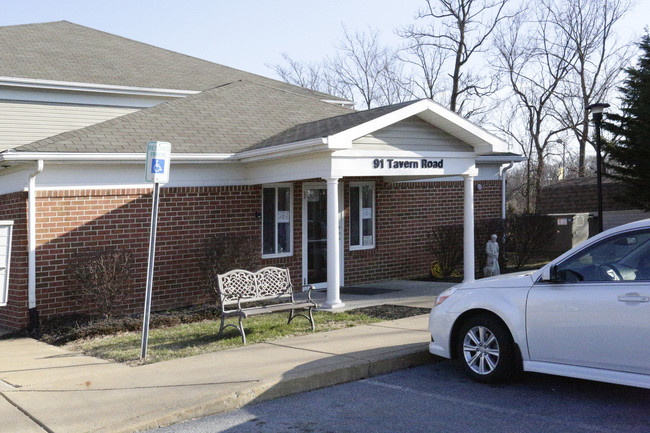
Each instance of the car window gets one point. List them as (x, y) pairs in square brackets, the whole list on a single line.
[(623, 257)]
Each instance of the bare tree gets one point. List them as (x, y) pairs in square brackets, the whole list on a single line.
[(456, 30), (363, 67), (536, 57), (428, 64), (362, 70), (310, 76), (588, 26)]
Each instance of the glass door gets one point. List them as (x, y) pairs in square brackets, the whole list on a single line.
[(315, 218)]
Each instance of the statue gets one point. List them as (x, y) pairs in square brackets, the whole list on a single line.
[(492, 264)]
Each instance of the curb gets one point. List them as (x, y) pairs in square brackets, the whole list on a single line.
[(273, 388)]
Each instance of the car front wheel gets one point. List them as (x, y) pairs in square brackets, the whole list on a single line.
[(486, 350)]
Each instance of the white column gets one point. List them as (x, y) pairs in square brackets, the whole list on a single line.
[(333, 256), (468, 229)]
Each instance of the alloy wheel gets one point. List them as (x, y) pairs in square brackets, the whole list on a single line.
[(481, 350)]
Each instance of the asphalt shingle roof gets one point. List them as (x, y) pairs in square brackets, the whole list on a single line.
[(227, 119), (328, 126), (63, 51)]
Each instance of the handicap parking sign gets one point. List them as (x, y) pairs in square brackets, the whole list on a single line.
[(157, 166)]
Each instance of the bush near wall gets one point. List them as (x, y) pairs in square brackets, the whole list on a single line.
[(102, 280), (526, 236), (224, 252)]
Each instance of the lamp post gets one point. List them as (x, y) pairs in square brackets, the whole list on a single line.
[(596, 111)]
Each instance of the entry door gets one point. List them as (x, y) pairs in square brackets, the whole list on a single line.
[(314, 223), (316, 231)]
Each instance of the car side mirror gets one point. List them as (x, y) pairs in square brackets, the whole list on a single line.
[(549, 274)]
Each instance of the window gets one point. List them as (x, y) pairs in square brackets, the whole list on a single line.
[(362, 215), (5, 255), (623, 257), (277, 221)]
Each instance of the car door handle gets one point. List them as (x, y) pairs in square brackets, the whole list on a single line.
[(633, 297)]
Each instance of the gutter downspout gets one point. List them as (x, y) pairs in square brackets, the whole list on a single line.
[(31, 218), (503, 210), (503, 189)]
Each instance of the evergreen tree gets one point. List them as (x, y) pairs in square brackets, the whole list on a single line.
[(629, 152)]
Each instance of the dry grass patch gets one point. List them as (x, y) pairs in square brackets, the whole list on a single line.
[(189, 339)]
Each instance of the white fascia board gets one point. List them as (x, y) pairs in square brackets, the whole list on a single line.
[(356, 153), (499, 159), (71, 86), (339, 102), (100, 157), (433, 113), (283, 150)]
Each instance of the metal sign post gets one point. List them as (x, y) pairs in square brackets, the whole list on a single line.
[(157, 171)]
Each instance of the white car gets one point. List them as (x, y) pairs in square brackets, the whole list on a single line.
[(586, 314)]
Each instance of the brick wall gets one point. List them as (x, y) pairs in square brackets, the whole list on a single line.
[(405, 213), (70, 222), (14, 207)]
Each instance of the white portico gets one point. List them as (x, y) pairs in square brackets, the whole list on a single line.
[(409, 142)]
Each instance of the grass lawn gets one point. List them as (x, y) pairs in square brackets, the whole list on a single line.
[(188, 339)]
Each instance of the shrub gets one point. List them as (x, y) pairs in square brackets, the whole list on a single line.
[(445, 244), (225, 252), (102, 280), (526, 235)]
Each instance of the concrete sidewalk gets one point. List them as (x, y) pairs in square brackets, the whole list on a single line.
[(48, 389)]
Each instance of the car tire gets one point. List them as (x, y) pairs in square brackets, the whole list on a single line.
[(486, 350)]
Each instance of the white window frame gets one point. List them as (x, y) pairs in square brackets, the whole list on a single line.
[(275, 187), (360, 222), (4, 264)]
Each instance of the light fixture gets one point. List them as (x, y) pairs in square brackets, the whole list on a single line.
[(596, 111)]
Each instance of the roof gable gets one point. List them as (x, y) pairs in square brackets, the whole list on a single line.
[(67, 52)]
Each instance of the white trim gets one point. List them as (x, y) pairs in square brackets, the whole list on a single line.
[(31, 234), (305, 232), (468, 229), (4, 284), (322, 185), (394, 153), (72, 86), (280, 150), (339, 102), (333, 246), (499, 159), (360, 184), (275, 187), (11, 155), (436, 115)]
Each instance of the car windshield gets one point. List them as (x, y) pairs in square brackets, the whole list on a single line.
[(622, 257)]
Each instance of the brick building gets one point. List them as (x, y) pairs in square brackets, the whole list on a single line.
[(314, 181)]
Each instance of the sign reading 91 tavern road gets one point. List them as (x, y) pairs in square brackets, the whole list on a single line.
[(396, 164), (403, 166)]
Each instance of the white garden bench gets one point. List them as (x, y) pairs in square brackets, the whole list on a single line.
[(270, 286)]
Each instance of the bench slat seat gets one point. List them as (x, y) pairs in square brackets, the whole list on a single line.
[(264, 309), (271, 286)]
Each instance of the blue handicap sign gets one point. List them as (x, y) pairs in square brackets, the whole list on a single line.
[(157, 165)]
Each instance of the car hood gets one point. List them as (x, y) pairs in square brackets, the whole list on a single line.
[(515, 279)]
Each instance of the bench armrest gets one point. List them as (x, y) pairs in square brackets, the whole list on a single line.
[(311, 287)]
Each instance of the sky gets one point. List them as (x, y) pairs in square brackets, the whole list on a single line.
[(245, 34)]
